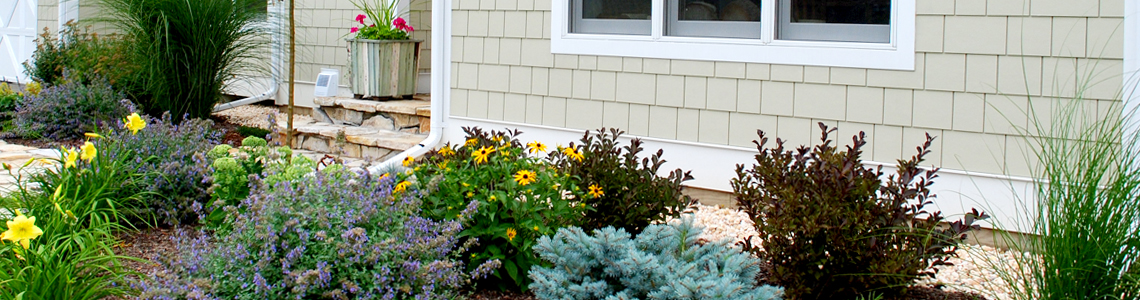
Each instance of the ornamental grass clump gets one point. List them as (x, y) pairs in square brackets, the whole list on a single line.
[(186, 53), (624, 188), (834, 229), (663, 262), (334, 235), (520, 196)]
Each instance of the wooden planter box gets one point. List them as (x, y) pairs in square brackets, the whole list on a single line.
[(383, 68)]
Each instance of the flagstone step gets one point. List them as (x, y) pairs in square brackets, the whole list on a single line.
[(353, 141), (409, 116)]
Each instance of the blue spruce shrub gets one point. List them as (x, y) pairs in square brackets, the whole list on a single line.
[(663, 262)]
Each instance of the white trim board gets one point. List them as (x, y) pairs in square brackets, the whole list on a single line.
[(713, 167), (897, 55)]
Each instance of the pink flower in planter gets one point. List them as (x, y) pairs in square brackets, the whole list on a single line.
[(360, 18), (402, 25), (354, 30)]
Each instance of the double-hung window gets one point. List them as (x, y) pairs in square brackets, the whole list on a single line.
[(876, 34)]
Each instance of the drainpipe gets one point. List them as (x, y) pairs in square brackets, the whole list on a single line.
[(439, 62), (275, 70)]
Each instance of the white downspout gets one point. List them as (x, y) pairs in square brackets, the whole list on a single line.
[(441, 67), (275, 67)]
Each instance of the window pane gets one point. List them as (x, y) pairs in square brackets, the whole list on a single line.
[(719, 10), (842, 11), (611, 16), (616, 9)]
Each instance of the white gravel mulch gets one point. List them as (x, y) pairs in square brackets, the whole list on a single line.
[(973, 269)]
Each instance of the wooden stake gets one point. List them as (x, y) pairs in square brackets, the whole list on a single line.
[(292, 71)]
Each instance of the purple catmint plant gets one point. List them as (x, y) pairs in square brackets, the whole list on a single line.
[(67, 110), (335, 235)]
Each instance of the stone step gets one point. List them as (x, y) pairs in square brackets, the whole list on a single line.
[(412, 116), (353, 141)]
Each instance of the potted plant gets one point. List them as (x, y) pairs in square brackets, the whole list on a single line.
[(383, 60)]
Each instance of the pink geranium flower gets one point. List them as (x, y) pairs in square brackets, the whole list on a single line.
[(354, 30), (402, 25), (360, 18)]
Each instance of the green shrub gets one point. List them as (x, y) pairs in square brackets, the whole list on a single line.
[(663, 262), (186, 52), (334, 235), (85, 53), (513, 211), (68, 110), (230, 173), (632, 195), (253, 131), (832, 229)]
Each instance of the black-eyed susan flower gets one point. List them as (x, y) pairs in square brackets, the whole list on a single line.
[(401, 187), (471, 142), (409, 160), (595, 191), (524, 177), (511, 233), (536, 147), (482, 154), (446, 150), (573, 153)]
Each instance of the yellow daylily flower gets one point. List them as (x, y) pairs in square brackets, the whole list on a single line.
[(69, 157), (22, 230), (134, 123), (92, 135), (88, 152)]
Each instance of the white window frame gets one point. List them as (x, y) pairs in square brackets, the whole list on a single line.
[(896, 55)]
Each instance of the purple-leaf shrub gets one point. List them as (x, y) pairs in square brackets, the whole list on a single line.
[(69, 109), (334, 235)]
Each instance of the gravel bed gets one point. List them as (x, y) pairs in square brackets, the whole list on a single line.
[(257, 116), (972, 270)]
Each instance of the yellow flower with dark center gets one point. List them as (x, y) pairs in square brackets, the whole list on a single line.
[(446, 150), (524, 177), (384, 176), (471, 142), (21, 230), (573, 153), (92, 135), (69, 157), (88, 152), (134, 123), (409, 160), (401, 187), (492, 199), (536, 147), (511, 233), (482, 154), (595, 191), (497, 139)]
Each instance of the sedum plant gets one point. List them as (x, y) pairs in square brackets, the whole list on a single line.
[(627, 193), (231, 168), (663, 262), (834, 229), (520, 198)]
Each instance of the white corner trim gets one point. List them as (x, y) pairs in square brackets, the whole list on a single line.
[(714, 166), (1131, 74), (899, 55)]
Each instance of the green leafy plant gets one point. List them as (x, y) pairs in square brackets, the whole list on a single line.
[(663, 262), (833, 229), (188, 52), (231, 170), (628, 192), (86, 54), (520, 198), (387, 24)]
